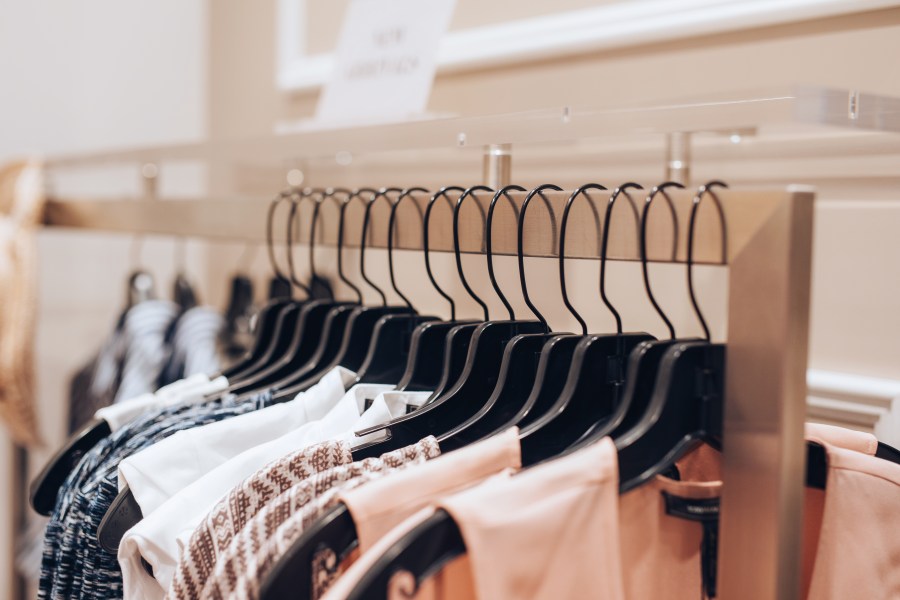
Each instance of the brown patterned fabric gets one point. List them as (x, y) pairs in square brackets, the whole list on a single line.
[(233, 511), (238, 571), (21, 211)]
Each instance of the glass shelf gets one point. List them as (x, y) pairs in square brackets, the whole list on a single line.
[(801, 109)]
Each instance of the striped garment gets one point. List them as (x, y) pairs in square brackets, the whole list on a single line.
[(146, 349), (229, 554), (74, 565), (94, 386), (194, 345)]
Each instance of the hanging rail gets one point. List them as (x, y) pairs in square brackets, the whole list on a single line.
[(769, 258), (236, 220)]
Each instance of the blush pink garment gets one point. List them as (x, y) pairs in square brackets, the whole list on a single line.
[(661, 553), (857, 546), (547, 533), (387, 505), (379, 506), (842, 437), (658, 554)]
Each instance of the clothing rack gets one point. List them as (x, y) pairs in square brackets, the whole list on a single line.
[(768, 255)]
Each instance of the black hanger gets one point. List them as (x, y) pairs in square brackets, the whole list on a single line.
[(182, 291), (644, 360), (279, 288), (361, 321), (556, 355), (459, 336), (336, 319), (686, 403), (238, 313), (336, 530), (421, 552), (141, 286), (595, 381), (389, 349), (45, 487), (429, 364), (521, 357), (437, 540), (269, 321), (292, 575), (185, 298), (310, 321), (480, 372)]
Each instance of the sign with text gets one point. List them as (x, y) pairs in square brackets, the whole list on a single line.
[(385, 60)]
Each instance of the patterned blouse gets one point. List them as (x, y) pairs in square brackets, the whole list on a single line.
[(229, 554)]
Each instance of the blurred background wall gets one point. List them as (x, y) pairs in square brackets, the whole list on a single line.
[(100, 74)]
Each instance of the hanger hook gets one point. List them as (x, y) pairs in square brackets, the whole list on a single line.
[(296, 197), (332, 194), (318, 196), (442, 193), (408, 192), (270, 237), (247, 257), (180, 252), (456, 250), (489, 227), (660, 189), (137, 245), (703, 190), (604, 242), (562, 244), (357, 194), (383, 192), (521, 247)]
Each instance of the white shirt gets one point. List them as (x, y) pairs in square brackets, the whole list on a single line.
[(191, 390), (159, 472), (155, 538)]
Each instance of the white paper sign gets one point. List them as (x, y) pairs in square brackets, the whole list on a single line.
[(385, 59)]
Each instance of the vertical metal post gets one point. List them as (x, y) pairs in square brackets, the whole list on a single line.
[(765, 401), (678, 157), (150, 175), (497, 165)]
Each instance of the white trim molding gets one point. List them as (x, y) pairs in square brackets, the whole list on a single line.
[(610, 26), (866, 403)]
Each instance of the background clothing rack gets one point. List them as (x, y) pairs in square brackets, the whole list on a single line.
[(769, 258)]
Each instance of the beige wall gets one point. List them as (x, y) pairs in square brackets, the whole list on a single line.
[(76, 77)]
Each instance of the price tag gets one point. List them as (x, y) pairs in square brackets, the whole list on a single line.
[(385, 60)]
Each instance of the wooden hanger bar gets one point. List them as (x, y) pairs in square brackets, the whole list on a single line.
[(245, 220)]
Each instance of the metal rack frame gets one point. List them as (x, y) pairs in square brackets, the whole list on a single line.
[(769, 260)]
